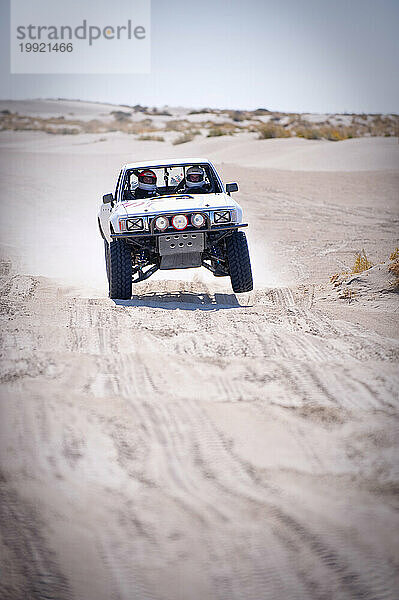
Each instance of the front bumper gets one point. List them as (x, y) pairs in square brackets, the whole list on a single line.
[(146, 234)]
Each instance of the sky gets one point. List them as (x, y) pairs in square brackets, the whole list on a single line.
[(289, 55)]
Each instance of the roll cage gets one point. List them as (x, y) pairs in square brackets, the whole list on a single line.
[(215, 183)]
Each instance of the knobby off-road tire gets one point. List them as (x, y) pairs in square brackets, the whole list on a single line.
[(120, 270), (239, 262), (106, 257)]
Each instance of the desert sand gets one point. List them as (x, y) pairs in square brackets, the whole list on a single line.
[(192, 443)]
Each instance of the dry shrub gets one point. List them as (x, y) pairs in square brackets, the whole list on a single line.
[(333, 134), (270, 130), (308, 133), (95, 126), (382, 126), (15, 122), (203, 110), (237, 115), (222, 129), (261, 112), (183, 138), (177, 125), (362, 263), (217, 132), (347, 294), (62, 130), (377, 126), (157, 112), (394, 255), (338, 278), (151, 138), (120, 115), (138, 127), (394, 268), (62, 126), (336, 133)]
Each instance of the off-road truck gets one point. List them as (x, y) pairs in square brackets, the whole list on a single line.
[(177, 227)]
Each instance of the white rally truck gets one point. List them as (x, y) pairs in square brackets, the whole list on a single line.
[(175, 227)]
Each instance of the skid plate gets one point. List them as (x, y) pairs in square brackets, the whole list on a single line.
[(181, 243), (181, 250)]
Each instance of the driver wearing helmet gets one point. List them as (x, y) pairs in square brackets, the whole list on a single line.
[(147, 184), (195, 180)]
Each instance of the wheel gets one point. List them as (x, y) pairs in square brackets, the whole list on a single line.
[(239, 262), (120, 270), (106, 253)]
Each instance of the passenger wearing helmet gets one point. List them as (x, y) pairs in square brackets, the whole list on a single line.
[(195, 181), (147, 184)]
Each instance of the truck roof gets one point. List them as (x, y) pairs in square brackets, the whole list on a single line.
[(165, 162)]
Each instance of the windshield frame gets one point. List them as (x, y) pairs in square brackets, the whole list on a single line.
[(217, 186)]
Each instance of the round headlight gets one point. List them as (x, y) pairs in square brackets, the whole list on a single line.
[(161, 223), (198, 220), (179, 221)]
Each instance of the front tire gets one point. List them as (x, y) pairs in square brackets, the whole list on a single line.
[(106, 257), (239, 262), (120, 270)]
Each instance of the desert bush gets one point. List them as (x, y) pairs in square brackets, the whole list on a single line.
[(139, 108), (270, 130), (362, 263), (183, 138), (394, 255), (261, 112), (200, 111), (151, 138), (222, 129), (120, 115), (95, 126), (237, 115), (347, 294), (62, 130), (335, 133), (394, 268), (139, 127), (217, 129), (216, 132), (308, 133), (177, 125), (157, 112)]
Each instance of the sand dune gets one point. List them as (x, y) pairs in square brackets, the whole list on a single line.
[(192, 443)]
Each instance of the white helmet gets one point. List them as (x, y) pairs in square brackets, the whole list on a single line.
[(147, 180), (195, 177)]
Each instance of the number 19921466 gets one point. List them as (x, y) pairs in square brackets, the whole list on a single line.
[(45, 47)]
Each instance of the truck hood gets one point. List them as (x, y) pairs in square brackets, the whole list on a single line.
[(182, 202)]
